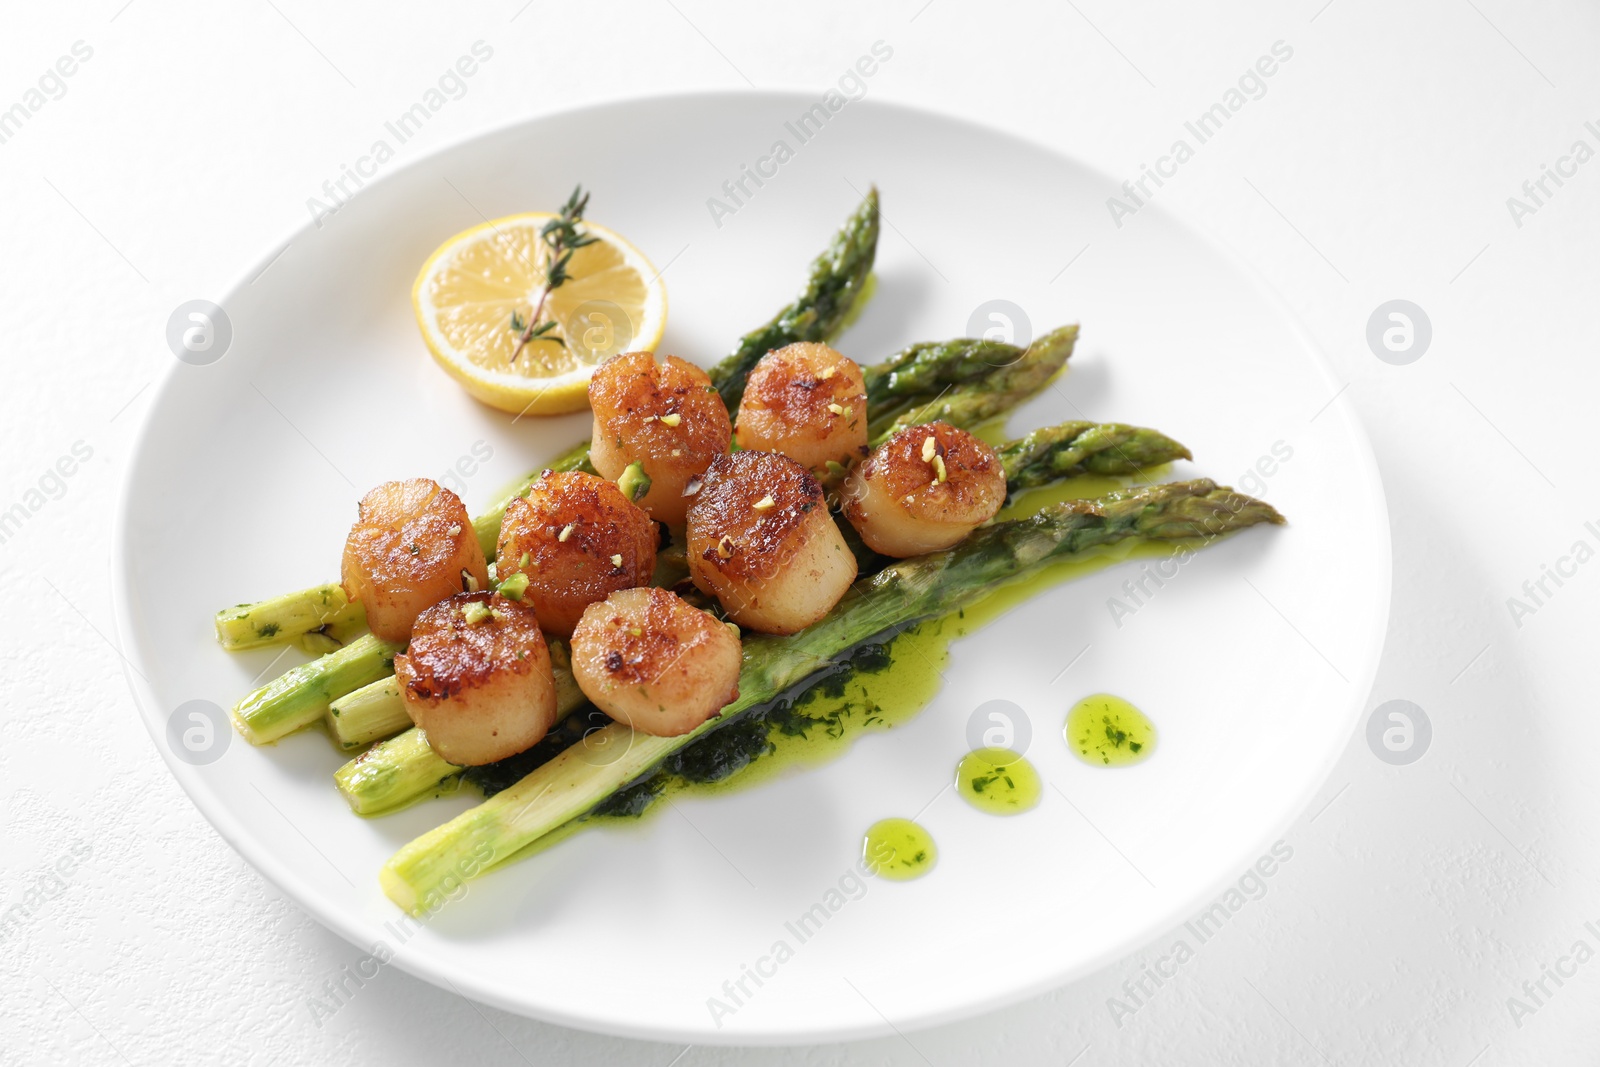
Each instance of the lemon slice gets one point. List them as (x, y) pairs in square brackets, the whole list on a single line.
[(470, 288)]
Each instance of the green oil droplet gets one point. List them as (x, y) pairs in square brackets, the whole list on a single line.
[(1108, 731), (898, 849), (998, 781)]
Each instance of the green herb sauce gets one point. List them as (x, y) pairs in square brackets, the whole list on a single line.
[(1108, 731), (998, 781), (898, 849)]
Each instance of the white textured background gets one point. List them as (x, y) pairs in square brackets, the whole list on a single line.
[(1377, 166)]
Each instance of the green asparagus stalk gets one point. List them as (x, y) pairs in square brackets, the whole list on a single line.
[(301, 695), (369, 714), (921, 372), (837, 280), (571, 784), (1071, 448), (994, 392), (392, 774), (270, 622)]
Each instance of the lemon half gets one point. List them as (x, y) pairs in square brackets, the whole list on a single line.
[(473, 284)]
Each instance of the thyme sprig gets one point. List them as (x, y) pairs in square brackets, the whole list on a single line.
[(562, 236)]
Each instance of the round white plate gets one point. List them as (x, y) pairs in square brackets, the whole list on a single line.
[(1254, 661)]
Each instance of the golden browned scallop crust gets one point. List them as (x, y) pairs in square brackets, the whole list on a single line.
[(808, 402), (582, 540), (448, 656), (411, 546), (974, 482), (761, 540), (731, 530), (477, 678), (650, 660), (667, 417), (923, 490)]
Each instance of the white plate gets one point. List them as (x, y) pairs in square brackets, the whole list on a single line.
[(1254, 662)]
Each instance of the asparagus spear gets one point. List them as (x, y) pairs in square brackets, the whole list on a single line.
[(571, 784), (301, 695), (838, 278), (393, 773), (369, 714), (269, 622), (993, 393), (1055, 452), (922, 371)]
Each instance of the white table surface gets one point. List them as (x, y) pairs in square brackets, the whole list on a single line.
[(1377, 165)]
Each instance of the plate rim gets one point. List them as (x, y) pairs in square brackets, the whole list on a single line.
[(445, 974)]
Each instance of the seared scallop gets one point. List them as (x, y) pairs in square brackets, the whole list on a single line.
[(666, 417), (476, 678), (648, 659), (576, 539), (412, 545), (761, 541), (808, 402), (924, 489)]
